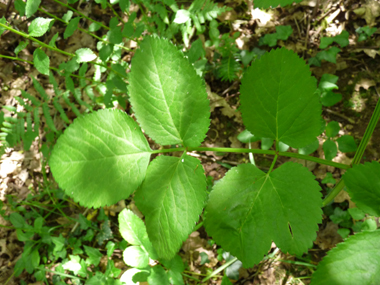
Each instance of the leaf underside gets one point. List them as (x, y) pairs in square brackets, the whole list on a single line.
[(101, 158), (363, 186), (278, 99), (167, 96), (249, 209), (354, 261), (171, 197)]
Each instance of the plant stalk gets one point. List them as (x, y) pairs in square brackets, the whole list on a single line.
[(258, 151), (215, 272), (359, 153)]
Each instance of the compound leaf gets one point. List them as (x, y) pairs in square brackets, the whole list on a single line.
[(354, 261), (248, 209), (101, 158), (363, 186), (274, 106), (171, 106), (265, 4), (171, 197)]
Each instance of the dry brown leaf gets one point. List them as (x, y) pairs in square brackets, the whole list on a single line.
[(328, 237)]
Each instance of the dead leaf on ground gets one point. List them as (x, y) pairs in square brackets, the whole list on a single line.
[(328, 237)]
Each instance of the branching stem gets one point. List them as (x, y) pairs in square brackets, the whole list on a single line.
[(258, 151)]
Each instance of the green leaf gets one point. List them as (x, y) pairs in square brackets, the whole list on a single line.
[(71, 27), (115, 36), (94, 27), (101, 158), (328, 55), (2, 21), (329, 98), (20, 46), (133, 230), (248, 209), (346, 143), (53, 40), (283, 32), (330, 149), (41, 61), (341, 39), (204, 258), (226, 281), (269, 39), (328, 179), (17, 220), (181, 16), (269, 83), (39, 26), (355, 261), (310, 148), (94, 255), (171, 106), (369, 225), (158, 276), (171, 197), (332, 129), (124, 5), (265, 4), (67, 16), (128, 275), (246, 137), (85, 55), (31, 7), (196, 51), (136, 256), (363, 186), (356, 213), (111, 246), (20, 7)]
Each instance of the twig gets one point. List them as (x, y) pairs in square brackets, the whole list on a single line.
[(340, 115)]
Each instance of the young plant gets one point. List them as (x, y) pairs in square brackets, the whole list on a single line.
[(103, 157)]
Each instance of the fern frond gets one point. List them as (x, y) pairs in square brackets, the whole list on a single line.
[(229, 67)]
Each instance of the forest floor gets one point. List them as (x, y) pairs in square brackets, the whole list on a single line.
[(357, 65)]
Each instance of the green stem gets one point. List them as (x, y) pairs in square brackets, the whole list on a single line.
[(50, 67), (259, 151), (62, 274), (330, 197), (81, 14), (273, 164), (35, 40), (215, 272), (114, 12), (54, 48), (359, 153), (190, 277)]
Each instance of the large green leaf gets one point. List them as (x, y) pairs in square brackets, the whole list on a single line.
[(354, 261), (168, 97), (101, 158), (265, 4), (171, 198), (248, 209), (363, 185), (278, 99)]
